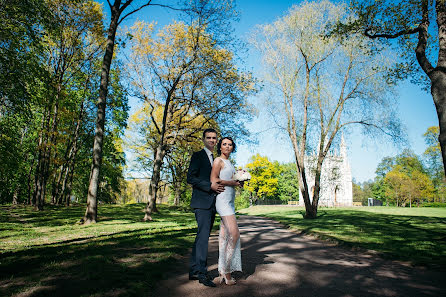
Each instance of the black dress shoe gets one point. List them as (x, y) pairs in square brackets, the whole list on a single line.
[(205, 280)]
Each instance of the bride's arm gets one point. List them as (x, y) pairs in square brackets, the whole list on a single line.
[(216, 168)]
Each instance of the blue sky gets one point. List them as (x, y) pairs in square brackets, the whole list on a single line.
[(416, 108)]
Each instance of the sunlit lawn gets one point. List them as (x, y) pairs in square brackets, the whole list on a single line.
[(417, 235), (48, 254)]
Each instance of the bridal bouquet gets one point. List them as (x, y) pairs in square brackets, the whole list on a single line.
[(241, 175)]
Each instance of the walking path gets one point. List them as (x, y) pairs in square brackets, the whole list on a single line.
[(279, 262)]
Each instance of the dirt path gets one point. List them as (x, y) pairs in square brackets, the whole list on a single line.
[(279, 262)]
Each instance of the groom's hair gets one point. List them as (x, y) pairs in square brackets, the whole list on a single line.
[(221, 141), (209, 130)]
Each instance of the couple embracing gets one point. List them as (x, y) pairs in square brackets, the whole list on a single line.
[(213, 191)]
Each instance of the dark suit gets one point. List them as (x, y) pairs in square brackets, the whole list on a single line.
[(203, 203)]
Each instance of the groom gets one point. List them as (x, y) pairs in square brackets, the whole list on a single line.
[(203, 203)]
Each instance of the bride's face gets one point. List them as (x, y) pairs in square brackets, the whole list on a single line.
[(226, 146)]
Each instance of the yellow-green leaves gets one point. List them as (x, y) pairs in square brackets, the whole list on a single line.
[(264, 177)]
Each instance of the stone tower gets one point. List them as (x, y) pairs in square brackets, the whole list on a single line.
[(336, 179)]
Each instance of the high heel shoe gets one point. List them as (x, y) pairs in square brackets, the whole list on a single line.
[(229, 282)]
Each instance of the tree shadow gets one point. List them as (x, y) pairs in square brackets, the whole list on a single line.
[(278, 262), (417, 239), (122, 263)]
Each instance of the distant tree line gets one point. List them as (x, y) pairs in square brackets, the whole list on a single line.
[(407, 179)]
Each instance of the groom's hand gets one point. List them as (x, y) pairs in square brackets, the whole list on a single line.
[(217, 187)]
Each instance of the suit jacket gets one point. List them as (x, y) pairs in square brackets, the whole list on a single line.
[(199, 176)]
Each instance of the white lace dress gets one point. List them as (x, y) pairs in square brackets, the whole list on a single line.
[(229, 258)]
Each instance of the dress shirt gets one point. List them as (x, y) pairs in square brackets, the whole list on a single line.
[(210, 155)]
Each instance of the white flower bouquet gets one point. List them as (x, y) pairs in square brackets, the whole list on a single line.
[(241, 175)]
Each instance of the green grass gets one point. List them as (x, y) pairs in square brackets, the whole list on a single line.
[(48, 254), (417, 235)]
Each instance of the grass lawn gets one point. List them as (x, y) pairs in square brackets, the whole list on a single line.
[(48, 254), (417, 235)]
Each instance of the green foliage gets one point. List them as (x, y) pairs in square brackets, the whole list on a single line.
[(264, 177), (402, 180), (242, 200), (407, 234), (363, 191), (434, 161), (398, 19), (288, 184), (21, 31), (54, 48), (434, 204)]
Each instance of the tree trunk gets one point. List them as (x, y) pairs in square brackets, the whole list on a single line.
[(317, 181), (439, 78), (56, 197), (39, 180), (177, 193), (154, 182), (67, 193), (436, 75), (29, 194), (15, 196), (438, 91), (92, 207)]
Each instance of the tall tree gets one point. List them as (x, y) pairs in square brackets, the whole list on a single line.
[(419, 27), (120, 10), (68, 47), (323, 85), (21, 37), (189, 81)]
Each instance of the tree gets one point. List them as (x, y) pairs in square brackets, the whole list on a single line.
[(117, 16), (362, 191), (323, 85), (142, 139), (404, 180), (264, 178), (67, 49), (398, 182), (408, 186), (21, 30), (189, 81), (21, 36), (288, 188), (419, 27), (434, 161)]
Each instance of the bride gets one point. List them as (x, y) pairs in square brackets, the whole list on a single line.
[(229, 258)]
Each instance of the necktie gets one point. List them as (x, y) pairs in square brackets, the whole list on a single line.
[(212, 158)]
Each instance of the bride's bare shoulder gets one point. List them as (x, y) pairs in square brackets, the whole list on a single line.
[(219, 161)]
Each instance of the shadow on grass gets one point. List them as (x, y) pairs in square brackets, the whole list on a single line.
[(280, 263), (418, 239), (125, 263)]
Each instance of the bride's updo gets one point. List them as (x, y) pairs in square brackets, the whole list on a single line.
[(221, 141)]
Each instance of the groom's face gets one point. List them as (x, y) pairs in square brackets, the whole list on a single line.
[(210, 140)]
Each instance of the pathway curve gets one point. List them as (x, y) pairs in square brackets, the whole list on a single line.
[(279, 262)]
